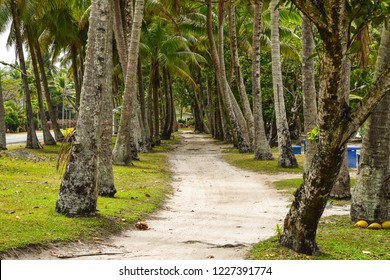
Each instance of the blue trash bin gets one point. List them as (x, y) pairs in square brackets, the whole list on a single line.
[(297, 150), (352, 156)]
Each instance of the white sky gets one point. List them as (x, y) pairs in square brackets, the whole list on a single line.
[(6, 55)]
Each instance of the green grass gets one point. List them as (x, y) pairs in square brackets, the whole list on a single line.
[(29, 187), (247, 162), (337, 239), (289, 186)]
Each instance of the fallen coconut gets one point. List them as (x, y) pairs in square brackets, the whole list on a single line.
[(374, 226), (361, 224)]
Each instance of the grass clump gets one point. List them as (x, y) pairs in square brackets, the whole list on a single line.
[(29, 185), (337, 239), (246, 161)]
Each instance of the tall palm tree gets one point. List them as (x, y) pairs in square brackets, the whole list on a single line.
[(47, 137), (236, 117), (308, 88), (78, 190), (370, 196), (123, 152), (32, 140), (247, 111), (286, 157), (3, 143), (261, 147)]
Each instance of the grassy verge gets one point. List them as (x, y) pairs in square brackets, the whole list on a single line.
[(337, 238), (246, 161), (29, 186)]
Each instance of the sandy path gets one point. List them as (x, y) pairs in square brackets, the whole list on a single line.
[(217, 211)]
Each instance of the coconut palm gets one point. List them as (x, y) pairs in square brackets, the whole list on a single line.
[(370, 199), (78, 191), (16, 11), (3, 143), (123, 151), (261, 147), (286, 157)]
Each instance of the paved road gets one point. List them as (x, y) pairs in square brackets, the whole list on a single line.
[(20, 138)]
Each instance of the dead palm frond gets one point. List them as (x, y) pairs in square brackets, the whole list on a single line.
[(64, 152)]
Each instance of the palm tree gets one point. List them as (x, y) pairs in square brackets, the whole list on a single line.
[(78, 191), (123, 152), (236, 117), (308, 88), (32, 140), (370, 199), (3, 143), (47, 137), (286, 157), (261, 147), (247, 111)]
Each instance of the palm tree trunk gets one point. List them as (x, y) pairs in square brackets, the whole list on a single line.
[(237, 70), (120, 37), (3, 143), (32, 140), (166, 132), (105, 176), (144, 121), (262, 150), (371, 195), (286, 157), (57, 131), (47, 137), (155, 84), (78, 191), (342, 187), (76, 78), (308, 88), (235, 115), (125, 145)]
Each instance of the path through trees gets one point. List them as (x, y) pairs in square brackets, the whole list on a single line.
[(216, 211)]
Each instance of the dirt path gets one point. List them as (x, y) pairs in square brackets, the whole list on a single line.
[(217, 211)]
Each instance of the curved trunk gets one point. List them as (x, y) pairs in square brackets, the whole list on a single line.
[(336, 122), (237, 70), (236, 118), (371, 195), (262, 150), (125, 145), (78, 191), (286, 157), (32, 140), (47, 137), (57, 131), (120, 36)]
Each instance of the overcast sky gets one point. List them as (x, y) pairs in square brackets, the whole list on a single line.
[(6, 55)]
